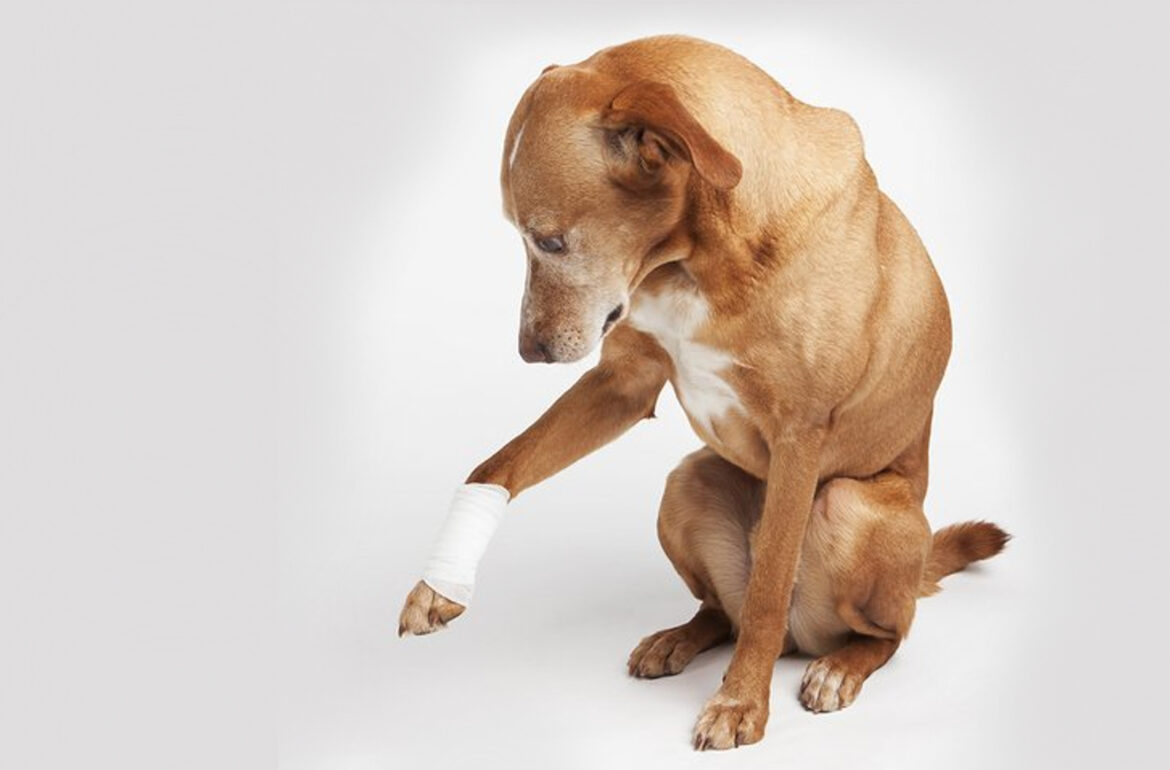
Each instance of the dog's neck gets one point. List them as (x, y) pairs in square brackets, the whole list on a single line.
[(797, 194)]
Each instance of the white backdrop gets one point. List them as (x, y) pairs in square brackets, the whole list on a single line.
[(258, 312)]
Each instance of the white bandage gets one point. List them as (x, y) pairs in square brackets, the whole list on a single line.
[(475, 513)]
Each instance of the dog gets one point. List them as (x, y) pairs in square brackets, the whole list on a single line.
[(681, 209)]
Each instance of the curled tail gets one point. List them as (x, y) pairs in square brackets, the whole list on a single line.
[(957, 546)]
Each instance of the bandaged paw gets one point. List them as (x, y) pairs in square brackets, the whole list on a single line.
[(476, 512), (426, 611)]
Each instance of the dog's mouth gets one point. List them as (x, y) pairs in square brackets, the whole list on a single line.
[(614, 316)]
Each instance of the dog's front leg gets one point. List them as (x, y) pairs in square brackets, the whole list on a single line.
[(607, 400), (602, 405), (737, 713)]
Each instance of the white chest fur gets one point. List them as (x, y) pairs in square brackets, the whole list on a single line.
[(672, 317)]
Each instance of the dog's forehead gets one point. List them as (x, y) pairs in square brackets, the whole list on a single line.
[(554, 163), (576, 85), (557, 167)]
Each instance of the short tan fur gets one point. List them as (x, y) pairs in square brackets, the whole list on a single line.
[(712, 231)]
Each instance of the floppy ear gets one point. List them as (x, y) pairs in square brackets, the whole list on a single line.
[(662, 126)]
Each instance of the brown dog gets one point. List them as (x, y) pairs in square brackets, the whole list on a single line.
[(718, 234)]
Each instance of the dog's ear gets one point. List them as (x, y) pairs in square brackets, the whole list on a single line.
[(648, 120)]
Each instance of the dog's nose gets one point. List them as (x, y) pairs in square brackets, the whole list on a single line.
[(534, 351)]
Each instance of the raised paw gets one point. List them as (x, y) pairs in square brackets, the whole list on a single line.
[(728, 722), (426, 611), (829, 685), (663, 654)]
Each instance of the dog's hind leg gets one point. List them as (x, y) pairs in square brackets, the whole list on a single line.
[(868, 540), (707, 512)]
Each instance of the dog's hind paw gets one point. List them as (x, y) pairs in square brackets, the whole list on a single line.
[(829, 685), (664, 653)]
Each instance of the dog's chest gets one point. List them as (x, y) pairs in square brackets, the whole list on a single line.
[(673, 317)]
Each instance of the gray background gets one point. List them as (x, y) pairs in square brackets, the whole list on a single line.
[(257, 319)]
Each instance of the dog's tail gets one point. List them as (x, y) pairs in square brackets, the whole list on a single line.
[(957, 546)]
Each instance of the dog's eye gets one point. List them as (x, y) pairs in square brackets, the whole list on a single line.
[(554, 244)]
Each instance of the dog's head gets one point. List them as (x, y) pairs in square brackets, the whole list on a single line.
[(595, 177)]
